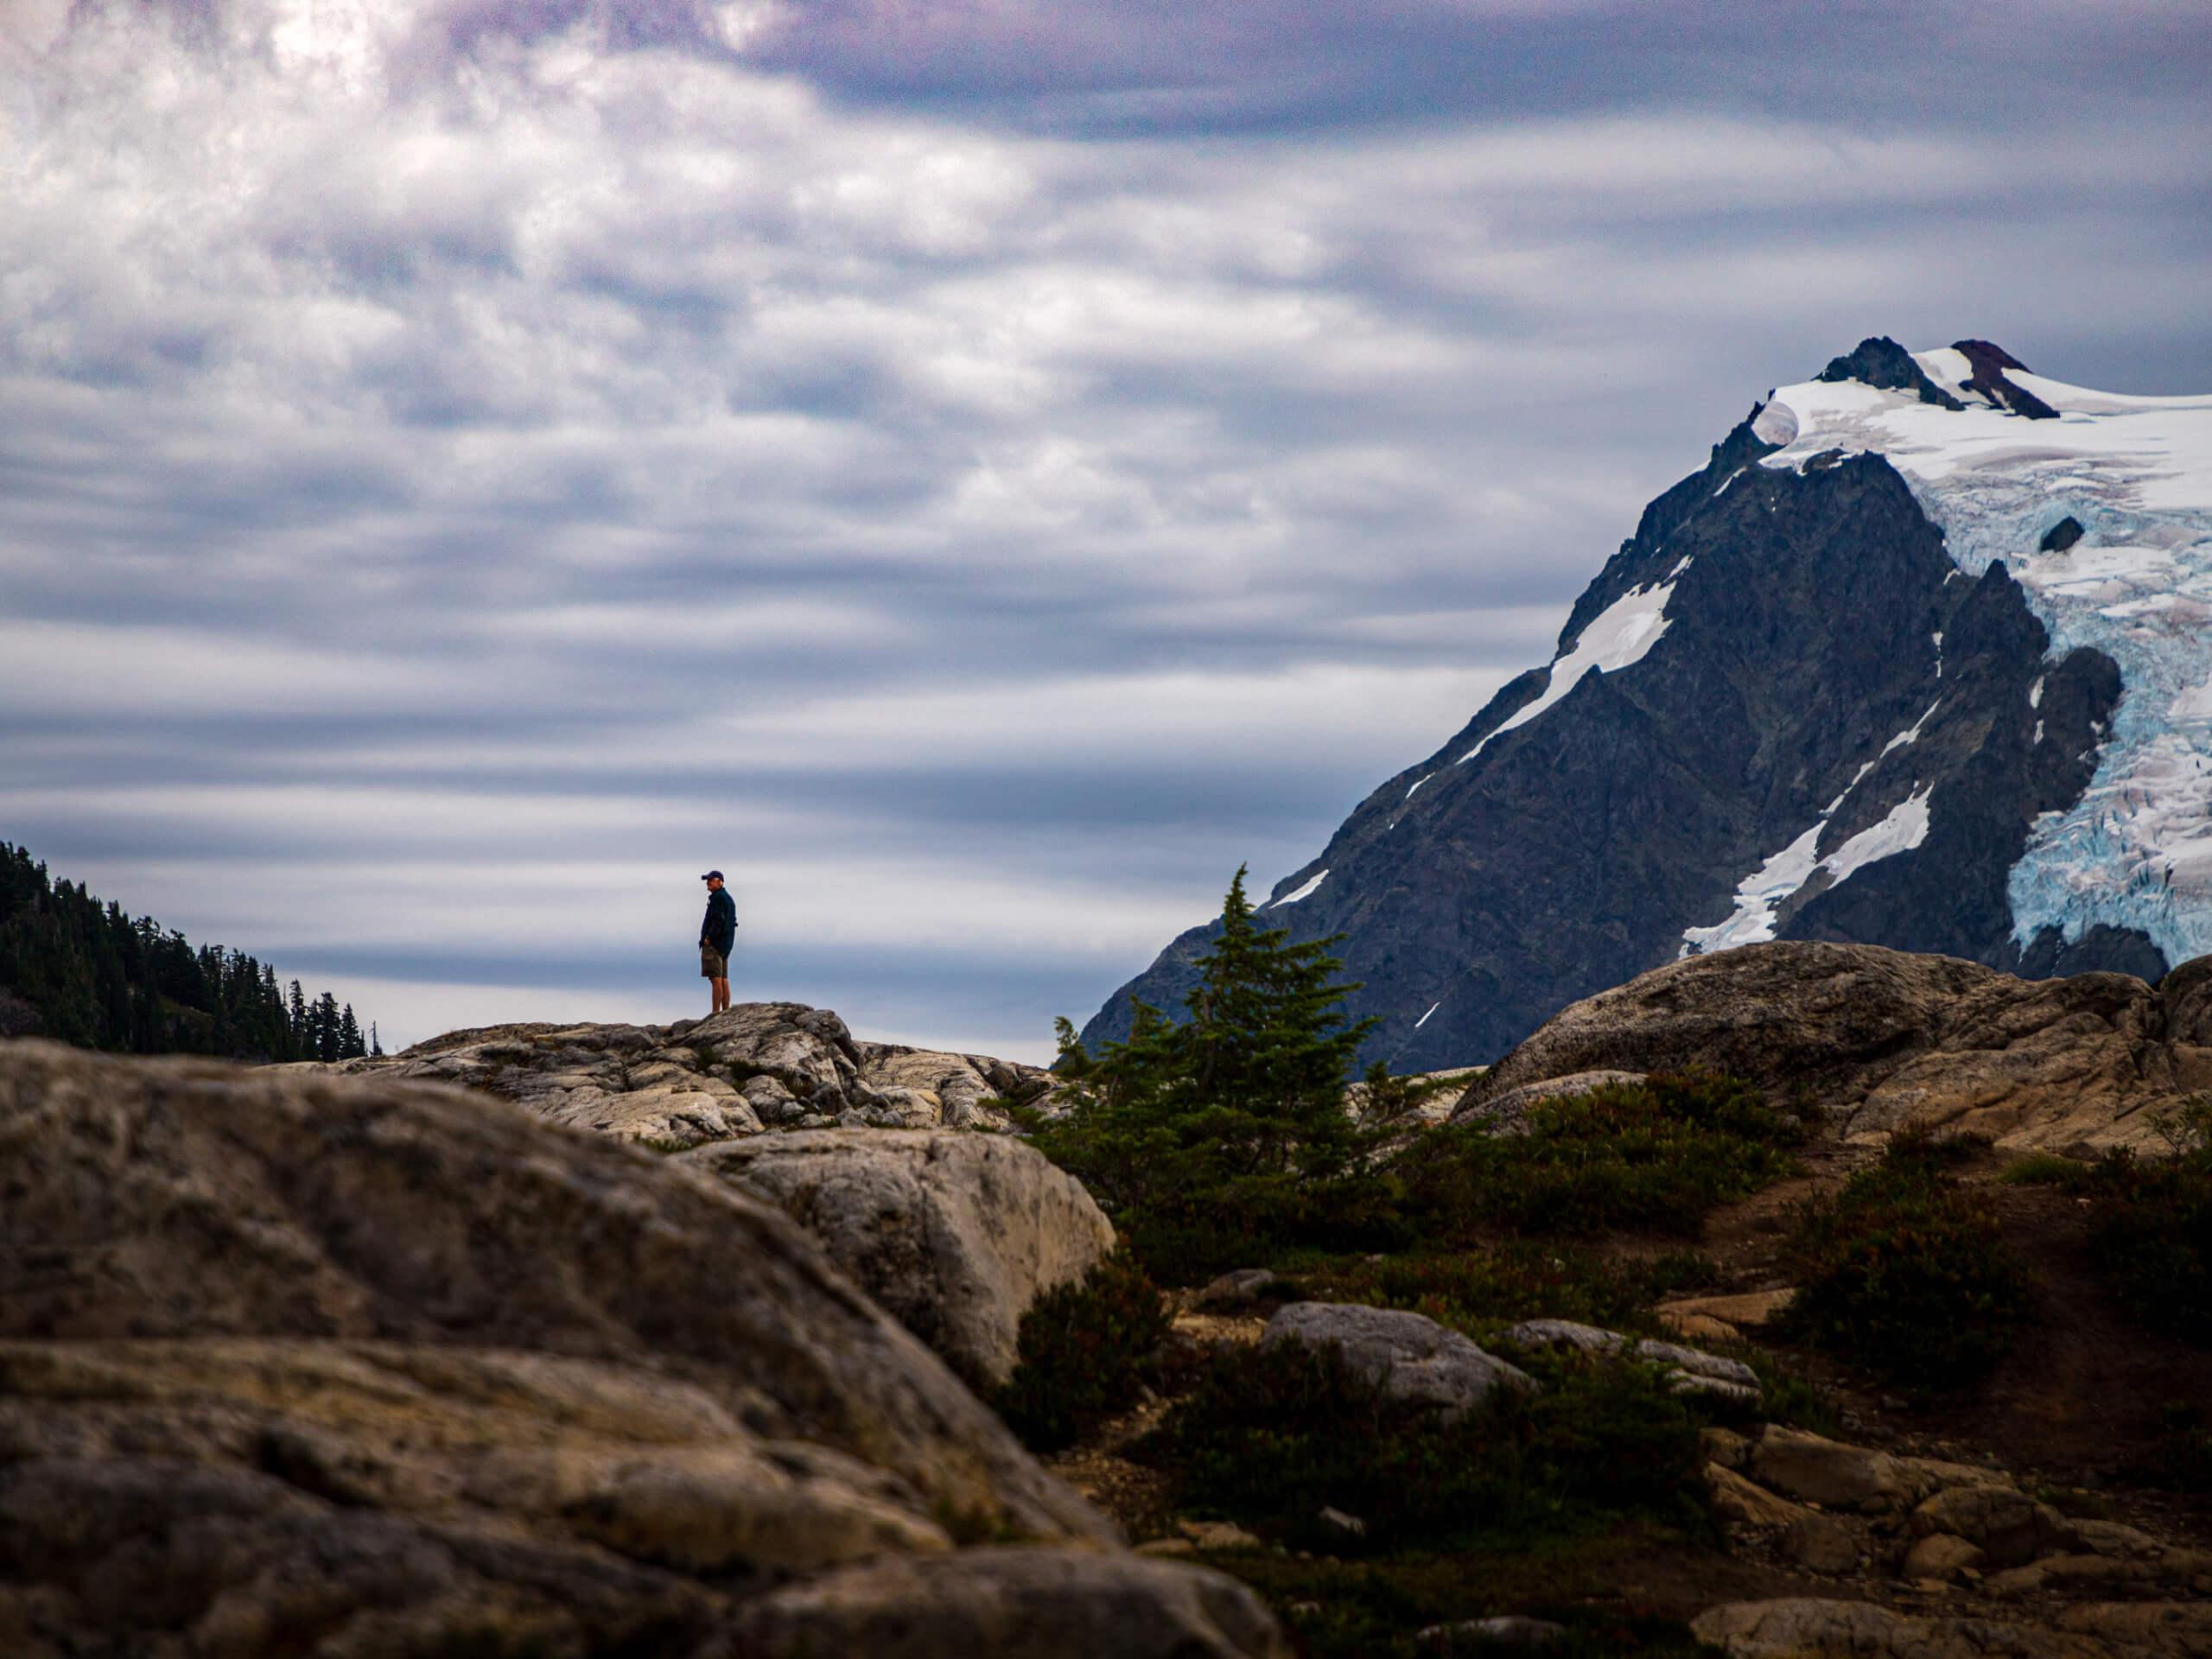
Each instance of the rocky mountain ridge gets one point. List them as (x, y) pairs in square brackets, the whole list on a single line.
[(1914, 660), (755, 1066)]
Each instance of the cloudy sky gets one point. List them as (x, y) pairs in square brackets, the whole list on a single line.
[(976, 471)]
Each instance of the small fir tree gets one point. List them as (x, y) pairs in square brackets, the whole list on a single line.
[(1251, 1087), (350, 1046)]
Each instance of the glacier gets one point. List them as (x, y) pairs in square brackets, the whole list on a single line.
[(2135, 476)]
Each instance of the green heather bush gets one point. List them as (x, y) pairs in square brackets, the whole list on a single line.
[(1188, 1237), (1907, 1272), (2184, 1460), (1653, 1157), (2151, 1230), (2049, 1169), (2150, 1221), (1482, 1286), (1270, 1437), (1083, 1350)]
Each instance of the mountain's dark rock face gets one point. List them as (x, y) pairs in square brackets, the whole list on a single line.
[(1882, 362), (1823, 663)]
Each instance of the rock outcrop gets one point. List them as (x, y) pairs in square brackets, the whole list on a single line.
[(1505, 1111), (1885, 1041), (953, 1234), (990, 1601), (1838, 1508), (1814, 1628), (1412, 1359), (756, 1065), (1689, 1371), (297, 1364)]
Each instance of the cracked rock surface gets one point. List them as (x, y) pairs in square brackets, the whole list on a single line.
[(755, 1066), (295, 1364)]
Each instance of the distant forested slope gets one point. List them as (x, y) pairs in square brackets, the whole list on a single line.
[(87, 972)]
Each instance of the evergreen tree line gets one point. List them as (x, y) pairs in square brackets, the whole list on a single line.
[(100, 978)]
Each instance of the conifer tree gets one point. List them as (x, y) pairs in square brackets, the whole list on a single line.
[(1251, 1086), (350, 1046), (99, 977)]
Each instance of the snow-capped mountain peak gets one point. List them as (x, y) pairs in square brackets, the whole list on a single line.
[(1919, 658), (2101, 508)]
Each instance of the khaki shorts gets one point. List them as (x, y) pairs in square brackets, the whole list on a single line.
[(712, 964)]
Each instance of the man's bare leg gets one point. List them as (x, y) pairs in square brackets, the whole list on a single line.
[(721, 994)]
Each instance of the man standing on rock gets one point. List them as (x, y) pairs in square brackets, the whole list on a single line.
[(717, 938)]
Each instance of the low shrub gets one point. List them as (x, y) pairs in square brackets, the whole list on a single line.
[(1906, 1272), (2151, 1230), (2149, 1220), (1378, 1609), (2049, 1169), (2183, 1463), (1787, 1398), (1189, 1238), (2151, 1226), (1084, 1350), (1653, 1157), (1271, 1436), (1482, 1286)]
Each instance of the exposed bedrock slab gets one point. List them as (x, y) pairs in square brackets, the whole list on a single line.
[(297, 1364), (1886, 1040), (1837, 1476), (955, 1234), (1035, 1603), (1414, 1359), (1811, 1628), (755, 1066), (1689, 1371)]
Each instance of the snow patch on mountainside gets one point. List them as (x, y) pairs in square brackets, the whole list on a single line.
[(1904, 829), (2136, 475), (1617, 636), (1761, 893), (1306, 891)]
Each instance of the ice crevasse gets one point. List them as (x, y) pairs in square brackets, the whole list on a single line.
[(2135, 474)]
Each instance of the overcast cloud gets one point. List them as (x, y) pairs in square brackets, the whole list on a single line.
[(977, 473)]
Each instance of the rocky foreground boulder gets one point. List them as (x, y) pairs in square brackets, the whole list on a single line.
[(2063, 1588), (755, 1066), (1413, 1360), (953, 1234), (1812, 1628), (1885, 1040), (302, 1365)]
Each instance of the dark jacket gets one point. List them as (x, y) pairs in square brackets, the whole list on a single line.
[(720, 929)]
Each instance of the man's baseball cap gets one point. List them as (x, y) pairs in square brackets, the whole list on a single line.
[(714, 875)]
